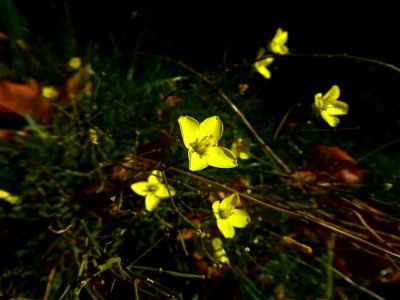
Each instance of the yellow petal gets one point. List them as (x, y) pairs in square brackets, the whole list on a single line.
[(221, 157), (151, 201), (281, 36), (190, 130), (226, 228), (339, 108), (319, 103), (332, 94), (140, 188), (240, 218), (331, 120), (244, 155), (162, 191), (197, 162), (261, 67), (278, 48), (230, 202), (155, 177), (215, 208), (213, 128)]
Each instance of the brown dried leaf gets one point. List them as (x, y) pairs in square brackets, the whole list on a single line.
[(20, 99)]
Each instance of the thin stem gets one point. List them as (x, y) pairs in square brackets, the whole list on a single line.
[(174, 205)]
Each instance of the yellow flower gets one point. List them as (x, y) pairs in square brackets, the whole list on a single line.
[(49, 92), (75, 63), (241, 148), (329, 106), (153, 189), (261, 65), (228, 216), (219, 251), (243, 87), (6, 196), (277, 44), (201, 140), (93, 137)]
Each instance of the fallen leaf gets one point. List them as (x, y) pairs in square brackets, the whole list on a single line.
[(20, 99)]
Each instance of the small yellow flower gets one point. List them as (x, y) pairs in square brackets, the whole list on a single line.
[(219, 252), (277, 44), (6, 196), (241, 148), (93, 137), (228, 216), (201, 140), (49, 92), (75, 63), (153, 189), (328, 106), (261, 65), (243, 87)]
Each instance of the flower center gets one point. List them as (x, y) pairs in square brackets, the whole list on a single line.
[(225, 213), (152, 188), (200, 146)]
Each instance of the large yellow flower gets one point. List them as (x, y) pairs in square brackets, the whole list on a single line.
[(277, 44), (261, 65), (153, 189), (329, 106), (201, 140), (228, 216)]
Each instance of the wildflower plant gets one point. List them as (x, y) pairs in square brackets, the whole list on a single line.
[(297, 217)]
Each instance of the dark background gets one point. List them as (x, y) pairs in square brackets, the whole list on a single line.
[(207, 35), (200, 29)]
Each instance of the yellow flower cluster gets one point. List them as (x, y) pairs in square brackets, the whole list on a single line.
[(278, 46)]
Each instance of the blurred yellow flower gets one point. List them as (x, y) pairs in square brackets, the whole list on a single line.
[(243, 87), (219, 252), (49, 92), (261, 65), (153, 189), (277, 44), (201, 140), (228, 216), (241, 148), (6, 196), (75, 63), (328, 106), (93, 137)]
